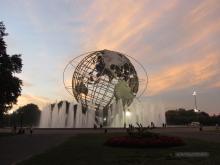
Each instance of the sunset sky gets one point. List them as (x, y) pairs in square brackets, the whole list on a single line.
[(178, 42)]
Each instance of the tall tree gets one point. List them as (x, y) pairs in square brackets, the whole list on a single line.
[(10, 85)]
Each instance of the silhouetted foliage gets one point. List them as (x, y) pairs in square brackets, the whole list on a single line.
[(28, 115), (184, 117), (10, 85)]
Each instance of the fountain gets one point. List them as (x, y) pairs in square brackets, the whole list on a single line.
[(106, 88), (66, 115), (70, 115)]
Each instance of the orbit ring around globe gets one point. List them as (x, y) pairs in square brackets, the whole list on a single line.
[(97, 78)]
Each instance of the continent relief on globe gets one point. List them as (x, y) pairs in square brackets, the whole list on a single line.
[(123, 92), (103, 75)]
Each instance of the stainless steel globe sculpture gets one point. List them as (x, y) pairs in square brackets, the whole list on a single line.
[(101, 76)]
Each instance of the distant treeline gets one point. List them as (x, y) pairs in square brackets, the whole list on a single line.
[(184, 117), (25, 116)]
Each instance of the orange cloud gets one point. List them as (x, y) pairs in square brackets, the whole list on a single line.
[(120, 26), (198, 27), (201, 10), (215, 85), (184, 75), (117, 22), (29, 98), (198, 32)]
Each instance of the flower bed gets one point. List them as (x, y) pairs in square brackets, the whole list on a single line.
[(141, 142)]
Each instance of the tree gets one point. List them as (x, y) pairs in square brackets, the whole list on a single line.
[(28, 115), (10, 85)]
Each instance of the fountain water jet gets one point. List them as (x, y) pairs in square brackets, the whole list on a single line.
[(70, 115)]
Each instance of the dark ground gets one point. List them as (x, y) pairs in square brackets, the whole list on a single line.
[(18, 147)]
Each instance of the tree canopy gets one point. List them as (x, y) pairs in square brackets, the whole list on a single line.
[(184, 117), (29, 115), (10, 85)]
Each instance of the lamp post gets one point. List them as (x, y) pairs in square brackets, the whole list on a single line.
[(124, 117), (127, 114), (196, 108), (195, 102)]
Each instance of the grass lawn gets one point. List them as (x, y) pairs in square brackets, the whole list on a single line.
[(89, 149)]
